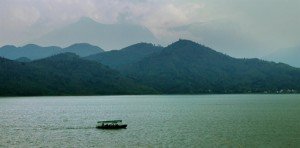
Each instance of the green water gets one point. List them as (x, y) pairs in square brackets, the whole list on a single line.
[(153, 121)]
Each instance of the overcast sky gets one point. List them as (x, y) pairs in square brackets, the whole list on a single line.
[(237, 27)]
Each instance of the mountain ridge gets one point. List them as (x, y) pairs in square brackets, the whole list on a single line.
[(124, 56), (108, 36), (186, 66), (33, 51), (183, 67)]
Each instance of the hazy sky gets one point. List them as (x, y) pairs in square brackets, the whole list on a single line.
[(237, 27)]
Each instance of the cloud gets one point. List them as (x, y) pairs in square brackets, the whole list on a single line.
[(231, 39), (235, 25), (169, 16), (105, 11), (17, 16), (274, 23), (49, 14)]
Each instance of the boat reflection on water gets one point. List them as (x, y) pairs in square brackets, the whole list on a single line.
[(111, 124)]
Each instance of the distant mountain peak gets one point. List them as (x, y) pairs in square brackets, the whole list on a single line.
[(184, 42), (128, 55), (106, 36), (81, 45), (140, 45), (8, 46), (83, 49), (87, 21), (187, 46), (31, 46), (143, 43), (34, 52)]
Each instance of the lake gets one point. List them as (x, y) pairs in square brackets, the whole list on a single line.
[(153, 121)]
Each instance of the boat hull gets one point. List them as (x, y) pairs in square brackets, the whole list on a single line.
[(112, 127)]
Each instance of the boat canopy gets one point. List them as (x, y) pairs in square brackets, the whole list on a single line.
[(110, 121)]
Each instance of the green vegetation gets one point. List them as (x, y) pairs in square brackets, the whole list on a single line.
[(186, 67), (119, 58), (183, 67), (63, 74)]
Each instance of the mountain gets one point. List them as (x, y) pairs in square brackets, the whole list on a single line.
[(63, 74), (30, 51), (290, 56), (83, 49), (108, 36), (128, 55), (186, 67), (33, 52)]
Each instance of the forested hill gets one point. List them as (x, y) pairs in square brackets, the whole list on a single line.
[(186, 67), (63, 74), (128, 55)]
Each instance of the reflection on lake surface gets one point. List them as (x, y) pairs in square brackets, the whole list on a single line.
[(153, 121)]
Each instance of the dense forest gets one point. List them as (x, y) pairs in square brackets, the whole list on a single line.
[(131, 54), (188, 67), (64, 74)]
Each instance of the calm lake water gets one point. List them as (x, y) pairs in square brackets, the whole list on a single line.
[(153, 121)]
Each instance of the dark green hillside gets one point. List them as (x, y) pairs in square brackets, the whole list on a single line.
[(183, 67), (63, 74), (188, 67), (128, 55)]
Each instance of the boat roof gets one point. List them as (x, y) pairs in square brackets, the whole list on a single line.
[(110, 121)]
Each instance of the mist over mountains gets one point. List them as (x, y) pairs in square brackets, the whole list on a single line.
[(106, 36), (123, 34), (290, 56), (183, 67)]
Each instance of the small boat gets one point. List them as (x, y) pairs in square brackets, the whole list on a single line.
[(111, 124)]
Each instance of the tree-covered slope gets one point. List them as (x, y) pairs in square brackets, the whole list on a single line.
[(17, 79), (183, 67), (131, 54), (64, 74), (188, 67)]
